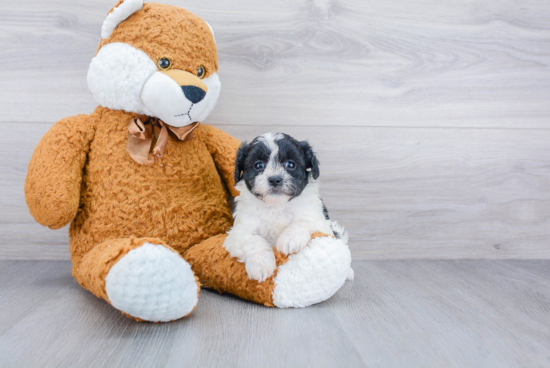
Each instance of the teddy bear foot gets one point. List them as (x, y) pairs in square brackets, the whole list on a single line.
[(152, 283), (314, 274), (310, 276)]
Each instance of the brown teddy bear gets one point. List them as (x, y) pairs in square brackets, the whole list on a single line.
[(145, 185)]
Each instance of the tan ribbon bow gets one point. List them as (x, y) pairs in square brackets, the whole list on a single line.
[(141, 138)]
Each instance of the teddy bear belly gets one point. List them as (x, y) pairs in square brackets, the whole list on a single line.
[(180, 199), (180, 220)]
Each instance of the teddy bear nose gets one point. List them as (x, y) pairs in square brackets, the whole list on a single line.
[(193, 94)]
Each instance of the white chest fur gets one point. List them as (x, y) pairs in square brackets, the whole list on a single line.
[(270, 220)]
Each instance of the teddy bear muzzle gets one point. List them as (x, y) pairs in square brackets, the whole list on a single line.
[(192, 87), (175, 96)]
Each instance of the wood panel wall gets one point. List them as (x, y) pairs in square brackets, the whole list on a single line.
[(431, 118)]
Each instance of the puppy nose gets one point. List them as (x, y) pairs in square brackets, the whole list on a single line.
[(193, 94), (275, 181)]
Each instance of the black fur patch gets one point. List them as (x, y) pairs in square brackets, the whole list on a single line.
[(289, 150), (256, 151), (336, 234), (325, 211), (311, 161), (239, 162)]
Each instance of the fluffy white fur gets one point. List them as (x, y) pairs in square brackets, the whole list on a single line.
[(119, 14), (152, 283), (312, 275), (259, 226), (270, 139), (205, 107), (117, 75)]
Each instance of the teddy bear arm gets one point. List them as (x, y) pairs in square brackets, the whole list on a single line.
[(223, 149), (52, 185)]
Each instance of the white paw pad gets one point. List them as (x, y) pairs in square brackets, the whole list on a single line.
[(152, 283)]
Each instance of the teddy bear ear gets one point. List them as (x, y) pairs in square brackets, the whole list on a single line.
[(122, 10), (211, 30)]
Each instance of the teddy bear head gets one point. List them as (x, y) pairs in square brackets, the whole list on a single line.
[(156, 60)]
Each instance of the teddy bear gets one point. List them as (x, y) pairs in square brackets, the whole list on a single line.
[(146, 187)]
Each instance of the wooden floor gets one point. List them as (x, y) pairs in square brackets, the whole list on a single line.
[(483, 313)]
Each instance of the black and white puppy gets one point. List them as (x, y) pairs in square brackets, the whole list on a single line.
[(279, 203)]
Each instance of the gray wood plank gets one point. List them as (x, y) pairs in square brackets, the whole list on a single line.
[(395, 63), (16, 148), (29, 240), (253, 336), (401, 192), (482, 313), (448, 313), (26, 285)]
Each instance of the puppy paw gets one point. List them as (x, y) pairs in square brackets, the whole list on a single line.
[(293, 240), (261, 265)]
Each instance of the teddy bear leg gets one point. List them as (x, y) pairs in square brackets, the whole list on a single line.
[(308, 277), (142, 277)]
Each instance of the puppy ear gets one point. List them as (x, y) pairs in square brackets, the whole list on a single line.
[(311, 161), (239, 162)]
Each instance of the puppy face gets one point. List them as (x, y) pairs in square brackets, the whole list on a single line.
[(275, 167)]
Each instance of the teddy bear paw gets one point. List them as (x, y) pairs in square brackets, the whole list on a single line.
[(152, 283), (314, 274)]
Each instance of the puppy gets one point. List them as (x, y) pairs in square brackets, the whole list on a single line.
[(279, 203)]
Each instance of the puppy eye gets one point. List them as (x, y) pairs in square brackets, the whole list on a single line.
[(290, 165), (164, 63), (259, 165), (201, 72)]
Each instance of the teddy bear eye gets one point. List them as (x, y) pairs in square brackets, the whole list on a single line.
[(201, 72), (259, 165), (165, 63)]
